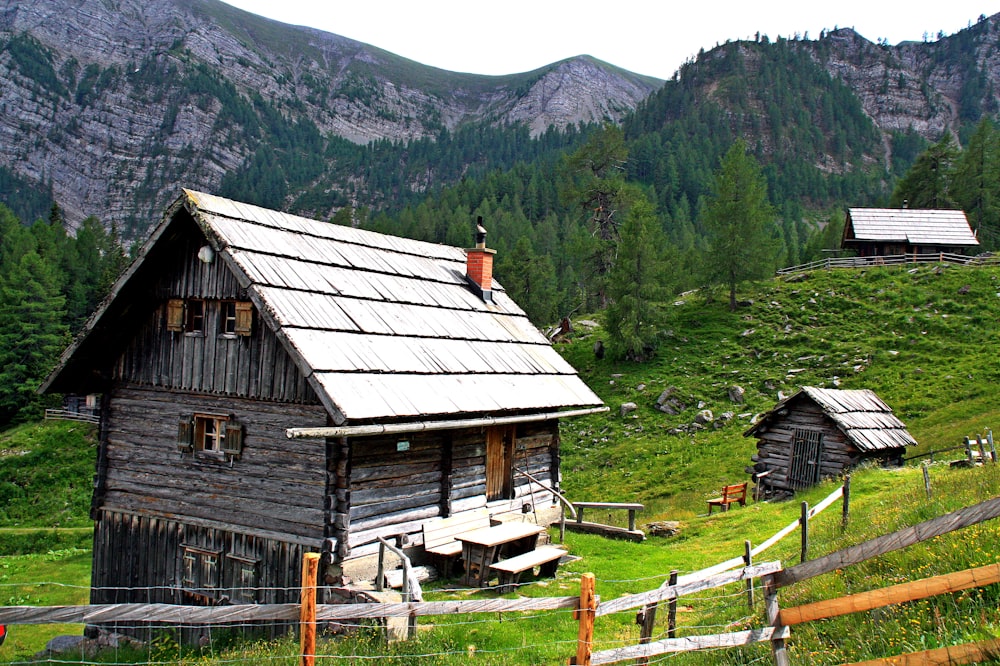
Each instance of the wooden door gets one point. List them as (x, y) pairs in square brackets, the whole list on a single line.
[(807, 454), (499, 462)]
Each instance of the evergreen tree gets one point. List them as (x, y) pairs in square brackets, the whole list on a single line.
[(595, 181), (636, 284), (739, 222), (32, 332), (975, 183), (925, 185)]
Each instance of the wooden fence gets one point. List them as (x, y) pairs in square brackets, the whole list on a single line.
[(67, 415), (587, 606), (893, 260)]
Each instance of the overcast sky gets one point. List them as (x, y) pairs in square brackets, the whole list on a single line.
[(651, 37)]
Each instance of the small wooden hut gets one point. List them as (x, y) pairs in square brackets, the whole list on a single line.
[(818, 433), (881, 232), (272, 385)]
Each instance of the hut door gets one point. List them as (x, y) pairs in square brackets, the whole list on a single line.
[(499, 462), (807, 452)]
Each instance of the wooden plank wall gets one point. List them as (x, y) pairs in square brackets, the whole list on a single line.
[(255, 366), (774, 447), (277, 486), (139, 559)]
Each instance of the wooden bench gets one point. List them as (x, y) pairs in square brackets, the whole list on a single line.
[(730, 495), (439, 536), (510, 570)]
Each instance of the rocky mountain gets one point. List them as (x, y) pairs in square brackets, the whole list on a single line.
[(113, 104), (109, 106)]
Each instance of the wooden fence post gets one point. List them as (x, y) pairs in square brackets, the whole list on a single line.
[(927, 480), (672, 609), (585, 614), (771, 608), (646, 619), (748, 561), (968, 450), (993, 448), (804, 524), (562, 525), (846, 509), (307, 611)]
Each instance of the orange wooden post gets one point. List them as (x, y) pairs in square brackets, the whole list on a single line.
[(585, 614), (307, 612)]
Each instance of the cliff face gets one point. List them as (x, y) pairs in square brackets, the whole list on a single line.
[(112, 105), (115, 103)]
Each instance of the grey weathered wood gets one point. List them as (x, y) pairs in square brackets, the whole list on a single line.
[(675, 591), (685, 644), (672, 607), (772, 610), (908, 536)]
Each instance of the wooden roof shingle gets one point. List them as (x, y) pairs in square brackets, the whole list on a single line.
[(905, 225), (861, 415), (383, 328)]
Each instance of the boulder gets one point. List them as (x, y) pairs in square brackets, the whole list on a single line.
[(704, 416), (627, 408), (736, 394), (664, 528)]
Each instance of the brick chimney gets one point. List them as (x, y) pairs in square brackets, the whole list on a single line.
[(479, 264)]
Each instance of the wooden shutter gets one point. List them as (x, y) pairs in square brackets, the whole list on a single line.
[(244, 317), (175, 314), (233, 443), (185, 433)]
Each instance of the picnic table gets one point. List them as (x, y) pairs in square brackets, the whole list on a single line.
[(484, 546)]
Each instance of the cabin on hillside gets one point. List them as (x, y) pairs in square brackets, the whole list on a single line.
[(272, 385), (883, 232), (819, 433)]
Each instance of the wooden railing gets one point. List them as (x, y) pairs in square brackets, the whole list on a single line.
[(892, 260), (580, 525), (67, 415)]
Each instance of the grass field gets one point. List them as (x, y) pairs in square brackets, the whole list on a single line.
[(924, 339)]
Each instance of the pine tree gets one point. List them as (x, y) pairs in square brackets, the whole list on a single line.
[(636, 284), (975, 183), (32, 332), (739, 222), (925, 185)]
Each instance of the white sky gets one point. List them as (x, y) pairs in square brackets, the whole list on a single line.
[(651, 37)]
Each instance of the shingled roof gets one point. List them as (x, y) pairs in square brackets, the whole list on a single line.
[(382, 327), (905, 225), (865, 420)]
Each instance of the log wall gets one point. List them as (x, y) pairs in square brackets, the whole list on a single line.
[(774, 446), (393, 492), (277, 486)]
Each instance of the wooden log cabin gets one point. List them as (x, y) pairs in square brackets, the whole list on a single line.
[(273, 385), (819, 433), (881, 232)]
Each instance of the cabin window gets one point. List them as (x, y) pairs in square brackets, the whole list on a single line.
[(227, 317), (235, 318), (807, 456), (201, 569), (500, 462), (241, 574), (194, 316), (211, 434)]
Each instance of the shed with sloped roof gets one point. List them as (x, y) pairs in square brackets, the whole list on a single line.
[(819, 433), (880, 232), (273, 385)]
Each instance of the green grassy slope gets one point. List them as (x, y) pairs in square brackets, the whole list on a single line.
[(924, 339)]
